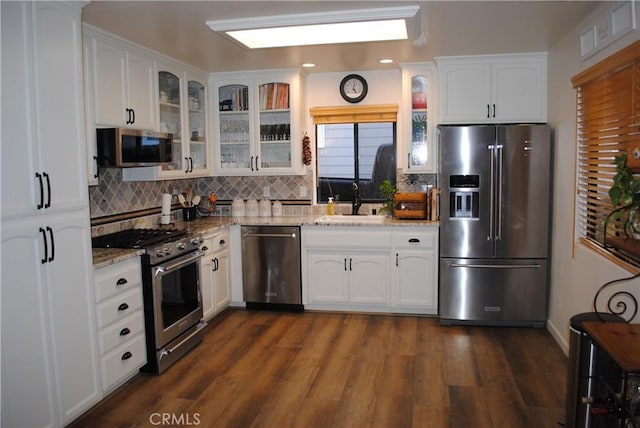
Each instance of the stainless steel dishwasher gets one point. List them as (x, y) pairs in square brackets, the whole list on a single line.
[(271, 275)]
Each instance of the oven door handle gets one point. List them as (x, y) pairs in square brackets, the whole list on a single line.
[(166, 352), (158, 270)]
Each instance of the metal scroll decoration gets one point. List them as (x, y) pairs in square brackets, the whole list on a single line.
[(621, 303), (306, 150)]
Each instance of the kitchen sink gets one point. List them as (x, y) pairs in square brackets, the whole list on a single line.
[(342, 218)]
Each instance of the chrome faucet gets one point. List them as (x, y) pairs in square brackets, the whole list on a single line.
[(356, 201)]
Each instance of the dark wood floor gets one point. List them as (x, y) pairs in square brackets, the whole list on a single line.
[(265, 369)]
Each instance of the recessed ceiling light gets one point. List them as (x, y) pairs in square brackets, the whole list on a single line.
[(318, 28), (386, 61), (308, 65)]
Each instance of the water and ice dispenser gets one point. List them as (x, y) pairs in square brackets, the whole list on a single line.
[(464, 197)]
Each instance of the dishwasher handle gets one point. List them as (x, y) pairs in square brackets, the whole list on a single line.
[(269, 235)]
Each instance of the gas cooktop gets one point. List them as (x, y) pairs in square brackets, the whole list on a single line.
[(137, 238)]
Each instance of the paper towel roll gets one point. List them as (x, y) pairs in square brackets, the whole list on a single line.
[(166, 209)]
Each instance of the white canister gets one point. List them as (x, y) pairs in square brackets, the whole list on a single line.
[(265, 208), (252, 209), (277, 209), (237, 208)]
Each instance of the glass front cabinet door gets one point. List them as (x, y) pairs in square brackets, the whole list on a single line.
[(197, 121), (169, 100), (418, 87), (254, 124)]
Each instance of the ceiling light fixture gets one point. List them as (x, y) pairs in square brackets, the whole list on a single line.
[(308, 65), (347, 26), (386, 61)]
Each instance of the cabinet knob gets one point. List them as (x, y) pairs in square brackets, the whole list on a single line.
[(121, 281), (125, 331), (126, 356), (123, 307)]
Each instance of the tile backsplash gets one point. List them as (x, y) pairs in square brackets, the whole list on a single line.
[(113, 196)]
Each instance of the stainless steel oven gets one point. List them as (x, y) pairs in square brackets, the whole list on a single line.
[(177, 305), (173, 301)]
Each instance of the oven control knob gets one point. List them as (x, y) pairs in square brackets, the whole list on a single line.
[(159, 254), (166, 251), (196, 241), (181, 246)]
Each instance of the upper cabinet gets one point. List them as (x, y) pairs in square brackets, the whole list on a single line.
[(182, 111), (418, 118), (42, 117), (493, 88), (123, 85), (256, 122)]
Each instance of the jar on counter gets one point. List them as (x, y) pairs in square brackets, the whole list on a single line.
[(252, 209), (265, 208), (237, 208), (277, 209)]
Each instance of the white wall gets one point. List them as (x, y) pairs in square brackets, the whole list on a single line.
[(576, 272)]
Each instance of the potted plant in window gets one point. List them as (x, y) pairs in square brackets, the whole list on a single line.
[(625, 198)]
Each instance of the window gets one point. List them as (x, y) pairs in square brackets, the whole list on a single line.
[(354, 145), (361, 153), (608, 119)]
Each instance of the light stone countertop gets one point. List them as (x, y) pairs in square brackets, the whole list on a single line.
[(208, 225)]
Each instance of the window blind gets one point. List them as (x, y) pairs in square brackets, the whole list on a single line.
[(354, 114), (608, 121)]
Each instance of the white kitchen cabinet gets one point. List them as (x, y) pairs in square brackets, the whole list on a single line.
[(49, 356), (415, 275), (123, 83), (42, 116), (348, 277), (49, 349), (418, 117), (182, 107), (120, 322), (346, 268), (493, 88), (373, 268), (257, 123), (214, 274)]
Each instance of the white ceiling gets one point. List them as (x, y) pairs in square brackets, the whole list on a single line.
[(178, 29)]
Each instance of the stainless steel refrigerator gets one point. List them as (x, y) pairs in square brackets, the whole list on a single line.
[(495, 202)]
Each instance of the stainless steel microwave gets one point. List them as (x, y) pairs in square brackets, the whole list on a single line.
[(123, 147)]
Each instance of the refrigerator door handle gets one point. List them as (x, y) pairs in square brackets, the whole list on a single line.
[(478, 266), (492, 186), (499, 189)]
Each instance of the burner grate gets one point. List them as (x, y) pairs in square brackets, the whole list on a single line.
[(136, 238)]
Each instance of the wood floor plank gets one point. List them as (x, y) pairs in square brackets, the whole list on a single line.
[(314, 369), (460, 359)]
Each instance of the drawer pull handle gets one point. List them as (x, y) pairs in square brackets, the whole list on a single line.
[(412, 240), (222, 242), (121, 281), (126, 356), (123, 307), (124, 331)]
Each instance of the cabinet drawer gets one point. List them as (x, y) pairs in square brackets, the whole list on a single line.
[(123, 362), (344, 238), (120, 332), (415, 240), (220, 241), (116, 278), (119, 307)]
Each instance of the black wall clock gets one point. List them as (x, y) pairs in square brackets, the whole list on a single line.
[(353, 88)]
